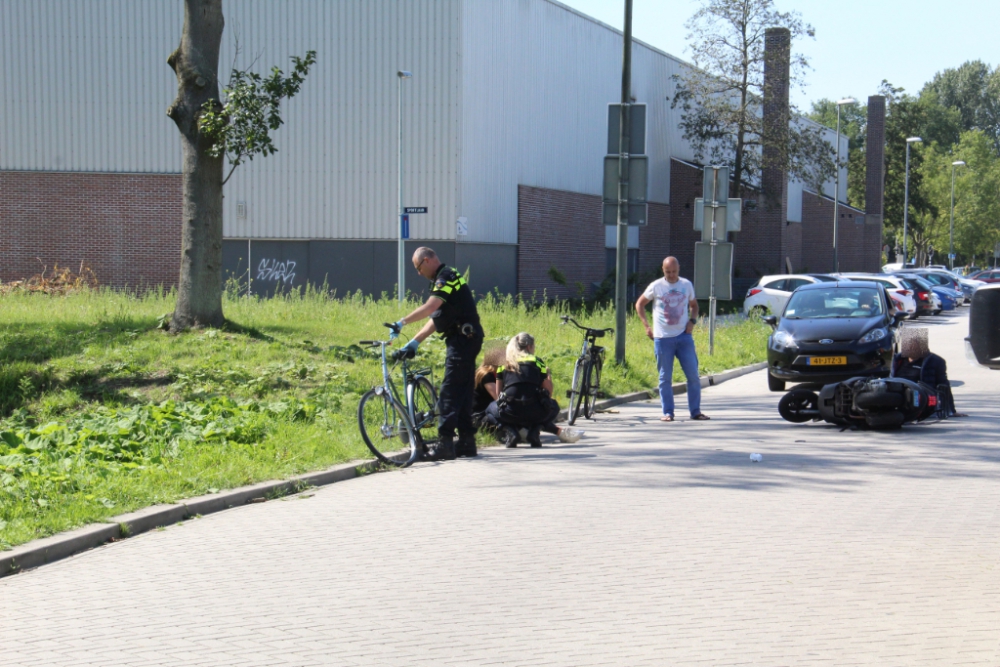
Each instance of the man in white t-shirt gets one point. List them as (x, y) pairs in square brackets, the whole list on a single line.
[(675, 312)]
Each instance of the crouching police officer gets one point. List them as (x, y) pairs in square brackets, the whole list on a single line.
[(452, 312)]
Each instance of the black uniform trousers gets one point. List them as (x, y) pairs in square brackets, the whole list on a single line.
[(458, 385)]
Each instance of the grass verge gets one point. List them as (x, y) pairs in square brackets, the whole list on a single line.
[(102, 412)]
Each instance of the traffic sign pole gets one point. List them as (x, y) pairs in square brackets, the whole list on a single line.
[(621, 270)]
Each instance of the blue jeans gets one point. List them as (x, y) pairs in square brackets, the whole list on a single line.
[(681, 346)]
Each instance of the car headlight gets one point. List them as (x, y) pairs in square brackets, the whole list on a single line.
[(874, 335), (782, 339)]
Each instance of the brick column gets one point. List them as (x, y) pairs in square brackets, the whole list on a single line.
[(775, 235), (874, 182)]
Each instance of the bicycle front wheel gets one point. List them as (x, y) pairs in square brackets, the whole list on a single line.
[(578, 392), (424, 400), (386, 429)]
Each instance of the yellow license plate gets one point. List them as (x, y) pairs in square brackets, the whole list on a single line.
[(827, 361)]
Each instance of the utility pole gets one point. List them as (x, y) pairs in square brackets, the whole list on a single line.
[(401, 221), (621, 272)]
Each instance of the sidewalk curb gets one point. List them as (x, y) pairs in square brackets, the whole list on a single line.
[(63, 545), (679, 388)]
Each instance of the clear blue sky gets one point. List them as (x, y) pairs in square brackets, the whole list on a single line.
[(858, 42)]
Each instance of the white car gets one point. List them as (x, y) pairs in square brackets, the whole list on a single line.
[(770, 294), (902, 295)]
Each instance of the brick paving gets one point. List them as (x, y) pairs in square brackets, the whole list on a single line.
[(643, 544)]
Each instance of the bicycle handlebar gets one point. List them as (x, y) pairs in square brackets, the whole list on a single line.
[(567, 318), (405, 353)]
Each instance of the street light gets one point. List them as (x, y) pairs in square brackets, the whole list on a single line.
[(906, 193), (951, 231), (836, 191), (400, 75)]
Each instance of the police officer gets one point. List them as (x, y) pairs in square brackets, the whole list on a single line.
[(452, 312), (524, 388)]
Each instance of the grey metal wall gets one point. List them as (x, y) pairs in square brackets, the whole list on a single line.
[(505, 92), (348, 266), (537, 79), (335, 173), (85, 88), (84, 85)]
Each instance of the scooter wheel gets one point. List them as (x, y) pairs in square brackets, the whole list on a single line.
[(798, 406)]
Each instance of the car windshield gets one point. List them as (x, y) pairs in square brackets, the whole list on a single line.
[(834, 302), (921, 283)]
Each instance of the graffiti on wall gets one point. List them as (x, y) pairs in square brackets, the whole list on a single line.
[(273, 270)]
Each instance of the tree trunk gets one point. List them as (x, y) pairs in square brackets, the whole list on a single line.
[(196, 63)]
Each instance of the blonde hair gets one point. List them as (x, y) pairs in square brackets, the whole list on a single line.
[(517, 350)]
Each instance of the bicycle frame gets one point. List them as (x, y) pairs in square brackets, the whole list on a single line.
[(409, 379)]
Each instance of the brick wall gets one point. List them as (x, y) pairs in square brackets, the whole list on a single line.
[(655, 239), (561, 229), (856, 249), (125, 227)]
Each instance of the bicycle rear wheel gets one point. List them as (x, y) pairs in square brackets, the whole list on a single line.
[(578, 391), (386, 429), (593, 381)]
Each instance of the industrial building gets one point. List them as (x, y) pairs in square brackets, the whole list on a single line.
[(504, 134)]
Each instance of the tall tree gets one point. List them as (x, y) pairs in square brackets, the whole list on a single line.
[(722, 96), (196, 64), (977, 195), (213, 130), (909, 116), (854, 126), (973, 90)]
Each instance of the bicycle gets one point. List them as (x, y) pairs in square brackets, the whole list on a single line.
[(386, 422), (584, 390)]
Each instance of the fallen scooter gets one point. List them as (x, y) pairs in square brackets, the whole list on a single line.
[(863, 402)]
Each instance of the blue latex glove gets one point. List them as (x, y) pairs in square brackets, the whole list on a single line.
[(393, 335), (412, 345)]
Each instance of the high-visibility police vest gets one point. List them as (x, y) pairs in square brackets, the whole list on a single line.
[(458, 306), (526, 380)]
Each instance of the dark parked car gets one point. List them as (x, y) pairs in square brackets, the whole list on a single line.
[(830, 332), (922, 291)]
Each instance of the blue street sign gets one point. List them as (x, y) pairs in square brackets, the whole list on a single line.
[(951, 256), (406, 227)]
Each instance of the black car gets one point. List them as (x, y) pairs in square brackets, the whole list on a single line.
[(830, 332)]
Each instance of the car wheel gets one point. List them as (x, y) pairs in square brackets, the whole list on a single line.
[(936, 313), (798, 406), (759, 311), (774, 384)]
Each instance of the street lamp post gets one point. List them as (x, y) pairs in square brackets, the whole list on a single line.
[(951, 230), (400, 75), (836, 192), (906, 193)]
